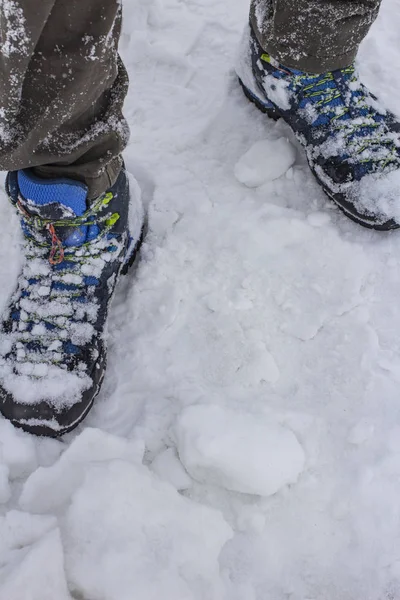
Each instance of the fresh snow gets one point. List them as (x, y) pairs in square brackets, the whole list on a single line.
[(143, 536), (252, 310), (168, 467)]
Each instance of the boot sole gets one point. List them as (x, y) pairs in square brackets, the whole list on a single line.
[(133, 254), (267, 109), (272, 113)]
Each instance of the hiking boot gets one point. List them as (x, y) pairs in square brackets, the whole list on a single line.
[(53, 339), (352, 143)]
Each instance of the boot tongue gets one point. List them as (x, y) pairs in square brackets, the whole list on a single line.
[(56, 200)]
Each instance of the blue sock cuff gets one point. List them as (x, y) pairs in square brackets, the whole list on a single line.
[(68, 192)]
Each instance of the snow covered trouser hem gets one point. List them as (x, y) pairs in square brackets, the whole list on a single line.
[(314, 36)]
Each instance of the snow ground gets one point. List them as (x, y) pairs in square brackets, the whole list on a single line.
[(259, 310)]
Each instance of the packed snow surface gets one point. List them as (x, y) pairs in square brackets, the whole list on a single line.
[(246, 442)]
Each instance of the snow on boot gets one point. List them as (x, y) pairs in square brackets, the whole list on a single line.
[(52, 335), (352, 143)]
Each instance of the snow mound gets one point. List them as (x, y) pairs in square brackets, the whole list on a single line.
[(31, 558), (128, 535), (48, 488), (265, 161), (123, 530), (17, 451), (169, 468), (238, 451)]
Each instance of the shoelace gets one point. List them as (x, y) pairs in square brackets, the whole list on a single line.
[(54, 290), (365, 138), (37, 223), (362, 126)]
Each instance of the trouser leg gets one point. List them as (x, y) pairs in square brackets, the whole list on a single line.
[(62, 89), (313, 35)]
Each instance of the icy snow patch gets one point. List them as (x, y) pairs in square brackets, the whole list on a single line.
[(37, 573), (19, 529), (265, 161), (238, 451), (48, 488), (127, 534), (123, 529), (31, 558), (169, 468), (17, 450)]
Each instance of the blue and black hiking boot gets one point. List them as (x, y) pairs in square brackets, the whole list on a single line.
[(52, 335), (352, 143)]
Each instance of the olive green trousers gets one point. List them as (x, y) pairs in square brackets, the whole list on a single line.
[(313, 35), (63, 84)]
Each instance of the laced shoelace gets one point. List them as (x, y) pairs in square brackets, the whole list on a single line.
[(366, 140), (57, 251), (362, 127), (54, 290)]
